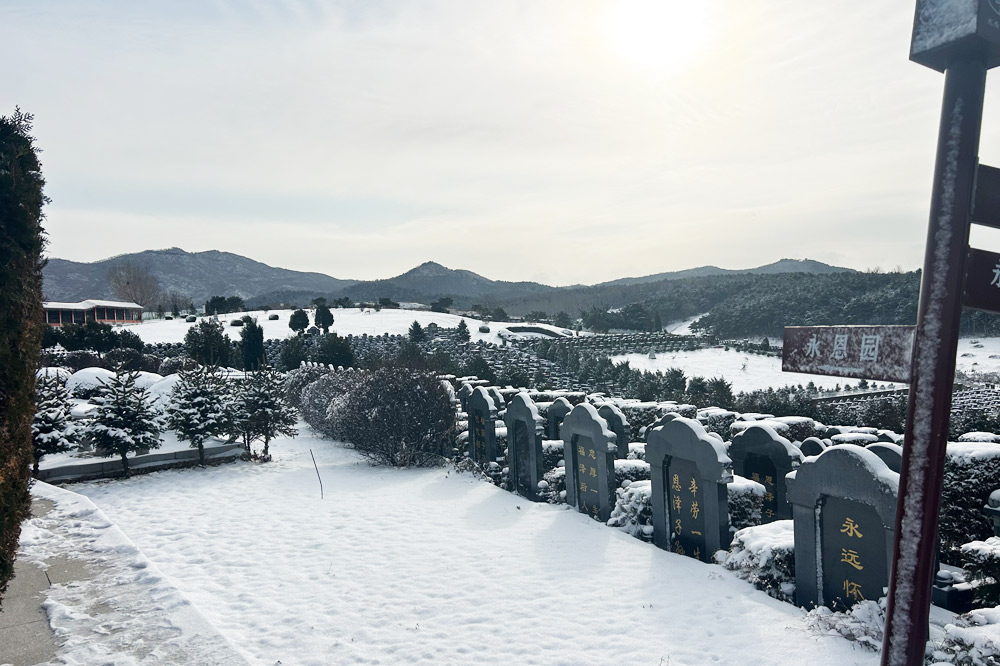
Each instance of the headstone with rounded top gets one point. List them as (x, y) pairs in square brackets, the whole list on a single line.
[(812, 446), (482, 427), (525, 431), (690, 471), (891, 454), (844, 508), (558, 410), (618, 425), (589, 452), (761, 454)]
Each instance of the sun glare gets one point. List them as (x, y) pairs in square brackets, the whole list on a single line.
[(659, 34)]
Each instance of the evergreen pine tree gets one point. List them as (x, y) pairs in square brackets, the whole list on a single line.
[(323, 317), (51, 430), (206, 343), (199, 408), (125, 420), (252, 344), (299, 321), (331, 349), (21, 243), (261, 411), (293, 352), (416, 332), (463, 331)]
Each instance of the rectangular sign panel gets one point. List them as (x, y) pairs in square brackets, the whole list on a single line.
[(860, 352), (982, 281), (986, 200)]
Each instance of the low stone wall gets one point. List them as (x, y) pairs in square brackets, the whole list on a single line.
[(108, 468)]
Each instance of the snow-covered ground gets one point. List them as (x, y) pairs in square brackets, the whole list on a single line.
[(749, 372), (349, 321), (432, 567)]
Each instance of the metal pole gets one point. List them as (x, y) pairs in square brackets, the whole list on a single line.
[(933, 369)]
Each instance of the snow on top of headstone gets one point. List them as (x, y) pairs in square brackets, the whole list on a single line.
[(744, 485), (966, 453), (778, 427), (762, 539), (943, 21), (854, 438), (979, 437)]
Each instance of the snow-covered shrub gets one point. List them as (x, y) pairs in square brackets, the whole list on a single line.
[(399, 417), (86, 383), (125, 359), (764, 555), (636, 450), (799, 427), (719, 421), (979, 437), (746, 501), (552, 487), (627, 471), (633, 511), (322, 398), (863, 623), (174, 364), (125, 421), (981, 561), (971, 473), (297, 380), (51, 429), (972, 640), (782, 429), (858, 438), (78, 360), (553, 451), (57, 373)]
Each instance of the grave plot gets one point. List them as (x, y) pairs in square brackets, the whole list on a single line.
[(690, 471), (482, 427), (844, 508), (589, 449), (760, 454), (525, 431)]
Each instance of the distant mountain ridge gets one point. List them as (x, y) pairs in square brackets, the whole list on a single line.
[(781, 266), (197, 275), (201, 275)]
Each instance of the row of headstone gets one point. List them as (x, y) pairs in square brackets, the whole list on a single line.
[(842, 500)]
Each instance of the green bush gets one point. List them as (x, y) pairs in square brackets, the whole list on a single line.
[(398, 417)]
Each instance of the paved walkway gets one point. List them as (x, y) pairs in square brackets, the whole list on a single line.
[(94, 598), (25, 636)]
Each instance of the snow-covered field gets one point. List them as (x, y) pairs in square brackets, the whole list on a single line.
[(349, 321), (749, 372), (430, 567)]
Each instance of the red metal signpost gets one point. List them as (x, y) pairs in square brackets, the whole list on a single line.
[(961, 39)]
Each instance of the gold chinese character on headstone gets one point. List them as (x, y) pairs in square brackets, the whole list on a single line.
[(583, 469), (851, 557), (678, 548), (583, 487), (769, 497), (593, 455), (676, 484), (853, 590), (695, 510), (677, 502), (851, 528), (697, 553), (595, 510), (769, 513), (678, 528), (693, 487), (580, 451), (768, 481), (755, 476), (593, 472)]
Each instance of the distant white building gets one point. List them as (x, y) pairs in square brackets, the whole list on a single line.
[(104, 312)]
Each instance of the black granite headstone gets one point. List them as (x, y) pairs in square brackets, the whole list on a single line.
[(690, 502), (812, 446), (590, 462), (891, 454), (761, 454), (482, 427), (844, 508), (558, 410), (525, 431), (618, 425)]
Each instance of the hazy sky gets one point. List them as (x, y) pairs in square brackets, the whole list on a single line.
[(565, 142)]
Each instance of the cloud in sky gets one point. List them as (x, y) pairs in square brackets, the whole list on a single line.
[(564, 141)]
